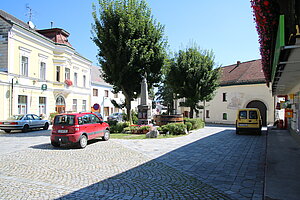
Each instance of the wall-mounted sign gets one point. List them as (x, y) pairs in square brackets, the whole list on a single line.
[(289, 113), (44, 87)]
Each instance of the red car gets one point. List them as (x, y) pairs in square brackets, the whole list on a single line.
[(78, 128)]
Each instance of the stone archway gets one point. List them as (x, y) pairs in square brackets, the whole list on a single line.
[(262, 108), (60, 105)]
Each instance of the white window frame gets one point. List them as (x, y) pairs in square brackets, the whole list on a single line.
[(42, 106), (22, 106), (84, 81), (24, 52), (67, 73), (75, 78), (74, 106), (43, 69), (83, 105)]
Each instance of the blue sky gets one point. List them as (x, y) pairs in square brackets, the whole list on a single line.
[(226, 27)]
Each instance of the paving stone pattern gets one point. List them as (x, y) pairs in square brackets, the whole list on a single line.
[(212, 163), (232, 163), (103, 170)]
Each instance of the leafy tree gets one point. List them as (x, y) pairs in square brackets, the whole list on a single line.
[(165, 93), (193, 76), (131, 45)]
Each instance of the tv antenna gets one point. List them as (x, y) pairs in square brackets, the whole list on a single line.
[(29, 12)]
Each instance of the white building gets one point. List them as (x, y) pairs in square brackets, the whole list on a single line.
[(242, 85), (102, 94)]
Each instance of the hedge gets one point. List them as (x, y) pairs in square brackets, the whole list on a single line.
[(196, 123)]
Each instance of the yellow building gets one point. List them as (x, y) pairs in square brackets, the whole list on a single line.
[(40, 72)]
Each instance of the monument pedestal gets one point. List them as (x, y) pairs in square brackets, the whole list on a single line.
[(144, 114)]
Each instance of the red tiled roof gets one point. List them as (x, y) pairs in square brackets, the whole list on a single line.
[(242, 73)]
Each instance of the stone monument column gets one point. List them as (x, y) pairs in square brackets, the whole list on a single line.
[(144, 110)]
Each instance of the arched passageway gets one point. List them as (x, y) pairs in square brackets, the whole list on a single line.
[(262, 108)]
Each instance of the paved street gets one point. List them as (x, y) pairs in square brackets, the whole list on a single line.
[(212, 163)]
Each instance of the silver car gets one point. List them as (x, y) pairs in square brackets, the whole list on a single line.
[(24, 123)]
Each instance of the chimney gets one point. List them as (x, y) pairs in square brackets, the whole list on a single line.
[(238, 63)]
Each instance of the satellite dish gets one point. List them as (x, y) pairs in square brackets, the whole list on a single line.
[(31, 25)]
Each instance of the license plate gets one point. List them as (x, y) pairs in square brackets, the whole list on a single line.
[(6, 122), (62, 131), (243, 124)]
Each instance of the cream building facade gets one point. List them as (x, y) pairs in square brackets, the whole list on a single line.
[(40, 72), (242, 85)]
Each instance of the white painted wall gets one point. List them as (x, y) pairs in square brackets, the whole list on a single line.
[(238, 96)]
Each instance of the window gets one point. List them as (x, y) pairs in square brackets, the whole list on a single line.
[(106, 111), (252, 114), (67, 74), (207, 114), (86, 119), (84, 81), (111, 110), (224, 97), (42, 105), (117, 110), (43, 71), (94, 119), (58, 73), (22, 104), (224, 116), (24, 66), (243, 115), (74, 107), (84, 105), (95, 92), (105, 93), (75, 79), (116, 95)]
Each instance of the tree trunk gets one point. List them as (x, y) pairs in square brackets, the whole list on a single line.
[(191, 112), (204, 111), (128, 107)]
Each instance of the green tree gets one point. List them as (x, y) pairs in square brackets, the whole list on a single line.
[(192, 76), (131, 45), (165, 93)]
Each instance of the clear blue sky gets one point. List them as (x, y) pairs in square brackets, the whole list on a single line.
[(226, 27)]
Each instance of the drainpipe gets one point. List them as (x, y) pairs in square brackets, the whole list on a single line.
[(12, 96)]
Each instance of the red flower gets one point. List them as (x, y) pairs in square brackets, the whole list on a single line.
[(266, 3), (68, 82)]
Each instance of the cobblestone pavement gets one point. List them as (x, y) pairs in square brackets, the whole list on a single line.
[(212, 163), (103, 170), (232, 163)]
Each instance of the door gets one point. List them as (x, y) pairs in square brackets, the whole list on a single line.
[(60, 106)]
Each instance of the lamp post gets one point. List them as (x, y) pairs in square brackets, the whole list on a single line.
[(12, 95)]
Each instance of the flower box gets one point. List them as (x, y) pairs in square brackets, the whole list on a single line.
[(68, 82)]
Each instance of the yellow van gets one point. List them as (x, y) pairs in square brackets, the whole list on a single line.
[(248, 119)]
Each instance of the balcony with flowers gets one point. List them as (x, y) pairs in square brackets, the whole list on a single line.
[(68, 82)]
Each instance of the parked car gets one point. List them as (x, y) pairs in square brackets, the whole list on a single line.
[(78, 128), (248, 119), (23, 122), (116, 117)]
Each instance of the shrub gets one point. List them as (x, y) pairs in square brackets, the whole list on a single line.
[(196, 123), (174, 128), (142, 128), (118, 127), (189, 125)]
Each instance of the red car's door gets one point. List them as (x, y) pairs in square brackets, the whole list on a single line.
[(99, 128)]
